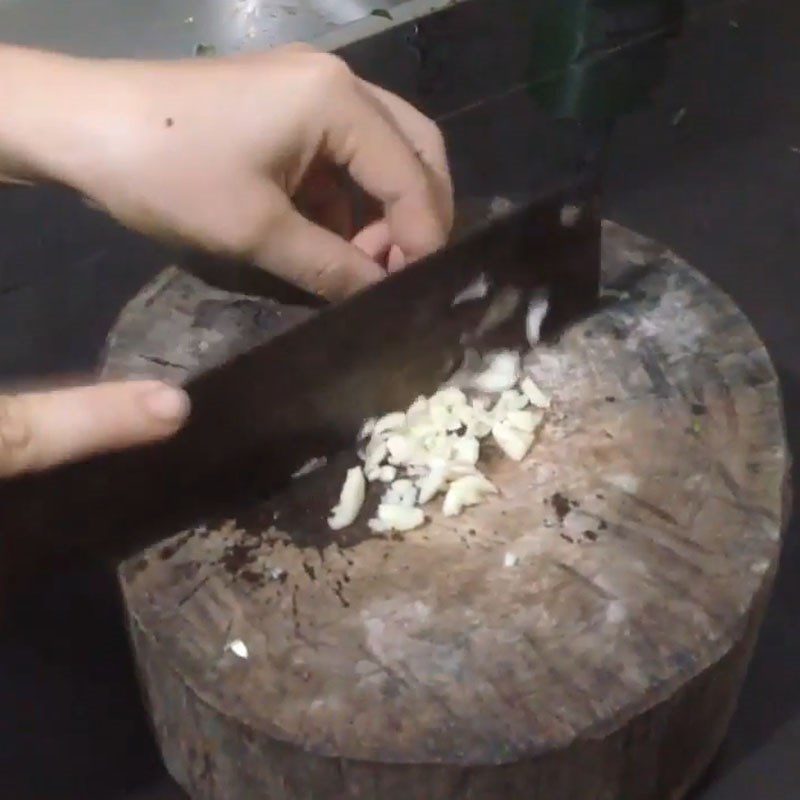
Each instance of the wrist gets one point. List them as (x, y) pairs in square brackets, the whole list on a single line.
[(57, 115)]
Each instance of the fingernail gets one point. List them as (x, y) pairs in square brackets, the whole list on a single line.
[(167, 403), (397, 259)]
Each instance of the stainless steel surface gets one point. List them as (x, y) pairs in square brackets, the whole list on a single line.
[(170, 28)]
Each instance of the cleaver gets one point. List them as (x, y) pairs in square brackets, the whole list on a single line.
[(306, 392)]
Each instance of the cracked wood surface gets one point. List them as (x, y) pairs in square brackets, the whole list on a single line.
[(646, 526)]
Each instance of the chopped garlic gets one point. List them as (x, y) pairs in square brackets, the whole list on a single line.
[(440, 416), (375, 454), (402, 492), (514, 443), (384, 474), (513, 400), (417, 409), (344, 513), (387, 474), (434, 447), (439, 446), (475, 291), (454, 423), (480, 425), (434, 482), (538, 307), (367, 428), (467, 491), (457, 469), (390, 422), (238, 648), (310, 466), (467, 449), (501, 373), (451, 397), (537, 397), (527, 421), (398, 518), (402, 448), (510, 560)]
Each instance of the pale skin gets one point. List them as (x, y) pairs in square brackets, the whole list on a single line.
[(242, 157)]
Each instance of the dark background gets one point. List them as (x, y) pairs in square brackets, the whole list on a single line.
[(718, 182)]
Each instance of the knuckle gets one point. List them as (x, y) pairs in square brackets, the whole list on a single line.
[(241, 233), (16, 436), (436, 136), (240, 239), (330, 70)]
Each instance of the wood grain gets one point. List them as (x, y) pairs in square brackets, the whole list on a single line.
[(604, 665)]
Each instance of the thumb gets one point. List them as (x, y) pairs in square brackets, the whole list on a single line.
[(41, 430), (316, 259)]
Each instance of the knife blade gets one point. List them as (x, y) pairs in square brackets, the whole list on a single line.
[(256, 419)]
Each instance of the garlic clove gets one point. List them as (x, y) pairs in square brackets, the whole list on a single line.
[(480, 428), (474, 291), (417, 409), (514, 400), (434, 482), (538, 307), (450, 397), (375, 454), (440, 417), (351, 499), (439, 446), (527, 421), (401, 492), (501, 373), (400, 518), (384, 474), (537, 397), (467, 491), (367, 428), (390, 422), (467, 449), (514, 443), (401, 448)]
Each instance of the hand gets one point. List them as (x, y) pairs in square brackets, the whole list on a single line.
[(41, 430), (223, 154)]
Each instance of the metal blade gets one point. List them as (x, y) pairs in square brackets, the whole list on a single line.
[(305, 393)]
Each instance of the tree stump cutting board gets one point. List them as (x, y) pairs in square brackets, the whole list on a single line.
[(583, 636)]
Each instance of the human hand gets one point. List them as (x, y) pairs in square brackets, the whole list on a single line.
[(224, 153), (219, 154), (43, 429)]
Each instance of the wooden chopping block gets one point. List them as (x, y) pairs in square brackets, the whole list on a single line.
[(584, 636)]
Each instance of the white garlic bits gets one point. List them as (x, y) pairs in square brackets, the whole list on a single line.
[(513, 442), (344, 513), (538, 307), (434, 448), (501, 373), (476, 290), (467, 491), (536, 396), (393, 517)]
